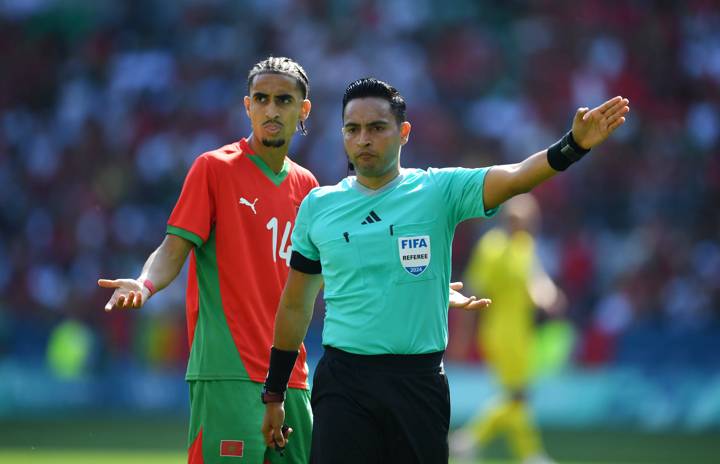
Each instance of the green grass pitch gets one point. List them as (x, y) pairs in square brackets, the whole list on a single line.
[(114, 457), (150, 440)]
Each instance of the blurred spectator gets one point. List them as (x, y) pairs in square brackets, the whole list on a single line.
[(91, 92)]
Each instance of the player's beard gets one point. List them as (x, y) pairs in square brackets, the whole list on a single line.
[(277, 143)]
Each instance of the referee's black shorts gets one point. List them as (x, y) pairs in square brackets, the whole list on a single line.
[(380, 409)]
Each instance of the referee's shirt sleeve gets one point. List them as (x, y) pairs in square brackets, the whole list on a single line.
[(305, 255), (463, 189)]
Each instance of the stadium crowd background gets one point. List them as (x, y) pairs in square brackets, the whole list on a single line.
[(104, 105)]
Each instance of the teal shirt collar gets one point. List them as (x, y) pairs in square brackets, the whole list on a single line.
[(355, 185)]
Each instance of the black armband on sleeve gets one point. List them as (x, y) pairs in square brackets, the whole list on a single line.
[(281, 366), (303, 264), (565, 152)]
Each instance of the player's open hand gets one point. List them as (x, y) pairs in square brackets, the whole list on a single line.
[(128, 294), (468, 303), (273, 430), (592, 126)]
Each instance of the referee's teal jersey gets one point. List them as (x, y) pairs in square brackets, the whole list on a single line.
[(386, 256)]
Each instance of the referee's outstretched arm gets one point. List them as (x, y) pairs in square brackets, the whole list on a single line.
[(291, 324), (590, 128)]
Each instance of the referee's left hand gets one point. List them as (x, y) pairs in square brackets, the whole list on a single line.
[(592, 126), (272, 426), (471, 303)]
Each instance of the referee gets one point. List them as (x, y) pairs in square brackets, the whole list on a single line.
[(381, 244)]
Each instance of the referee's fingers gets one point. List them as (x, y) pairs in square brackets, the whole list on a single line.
[(266, 433), (608, 104), (278, 437), (581, 114), (482, 303)]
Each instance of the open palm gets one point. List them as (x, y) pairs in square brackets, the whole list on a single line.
[(128, 294), (468, 303), (592, 126)]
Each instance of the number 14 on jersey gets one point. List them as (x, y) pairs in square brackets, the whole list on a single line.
[(285, 249)]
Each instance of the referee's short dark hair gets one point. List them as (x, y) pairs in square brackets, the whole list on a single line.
[(371, 87)]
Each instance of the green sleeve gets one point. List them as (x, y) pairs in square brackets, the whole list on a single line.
[(186, 234)]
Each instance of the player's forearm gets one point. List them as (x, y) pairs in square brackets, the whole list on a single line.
[(165, 263)]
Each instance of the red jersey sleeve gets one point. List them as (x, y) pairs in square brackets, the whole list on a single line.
[(194, 213)]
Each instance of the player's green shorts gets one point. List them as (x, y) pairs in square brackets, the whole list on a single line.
[(225, 421)]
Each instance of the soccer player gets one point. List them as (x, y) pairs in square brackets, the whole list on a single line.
[(505, 265), (235, 216), (381, 243)]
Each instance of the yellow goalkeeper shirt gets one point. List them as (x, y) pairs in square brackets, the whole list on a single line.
[(501, 268)]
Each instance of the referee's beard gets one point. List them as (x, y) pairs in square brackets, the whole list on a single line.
[(277, 143)]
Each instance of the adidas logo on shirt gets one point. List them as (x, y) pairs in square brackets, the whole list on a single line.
[(372, 217)]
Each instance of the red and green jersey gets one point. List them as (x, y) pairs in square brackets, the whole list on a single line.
[(240, 215)]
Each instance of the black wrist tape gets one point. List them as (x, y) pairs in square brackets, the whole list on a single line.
[(281, 366), (565, 152)]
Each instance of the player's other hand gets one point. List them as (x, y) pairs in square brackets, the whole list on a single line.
[(592, 126), (128, 294), (272, 426), (468, 303)]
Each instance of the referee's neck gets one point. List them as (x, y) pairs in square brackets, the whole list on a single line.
[(374, 183)]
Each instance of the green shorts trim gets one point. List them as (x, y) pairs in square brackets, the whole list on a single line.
[(230, 414)]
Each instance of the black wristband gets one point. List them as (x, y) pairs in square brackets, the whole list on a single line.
[(565, 152), (303, 264), (281, 366)]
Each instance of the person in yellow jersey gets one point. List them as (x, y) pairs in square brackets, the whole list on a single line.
[(506, 267)]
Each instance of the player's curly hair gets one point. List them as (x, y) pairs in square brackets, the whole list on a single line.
[(371, 87), (285, 66)]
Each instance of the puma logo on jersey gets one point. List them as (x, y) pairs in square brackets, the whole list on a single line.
[(244, 202)]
